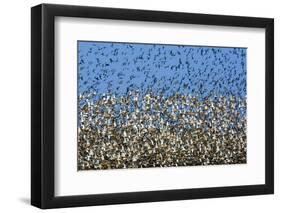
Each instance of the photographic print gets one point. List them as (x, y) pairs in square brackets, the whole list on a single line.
[(160, 105), (134, 95)]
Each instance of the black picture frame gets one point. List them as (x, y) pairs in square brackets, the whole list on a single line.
[(43, 102)]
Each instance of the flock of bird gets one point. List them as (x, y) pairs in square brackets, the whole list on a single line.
[(152, 105), (200, 71)]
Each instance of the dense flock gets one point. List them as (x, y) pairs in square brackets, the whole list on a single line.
[(153, 130)]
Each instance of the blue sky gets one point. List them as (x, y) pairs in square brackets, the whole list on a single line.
[(108, 67)]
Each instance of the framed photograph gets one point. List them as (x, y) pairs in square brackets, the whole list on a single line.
[(140, 106)]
